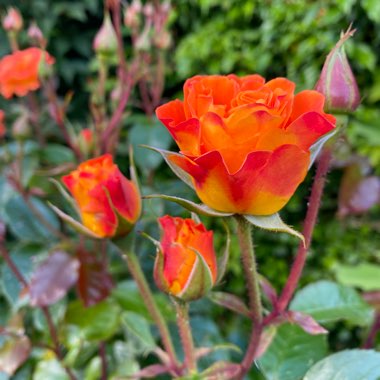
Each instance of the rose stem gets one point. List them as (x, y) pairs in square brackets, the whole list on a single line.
[(308, 228), (44, 309), (182, 309), (57, 115), (375, 328), (126, 82), (103, 358), (139, 277), (244, 234)]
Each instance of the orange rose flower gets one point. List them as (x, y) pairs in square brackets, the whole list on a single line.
[(19, 71), (109, 203), (245, 143), (186, 262), (2, 125)]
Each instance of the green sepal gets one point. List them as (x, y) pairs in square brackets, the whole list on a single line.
[(189, 205), (199, 282), (179, 172), (77, 226), (273, 223), (318, 145)]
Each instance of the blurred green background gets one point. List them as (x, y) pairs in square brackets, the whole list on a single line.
[(273, 38)]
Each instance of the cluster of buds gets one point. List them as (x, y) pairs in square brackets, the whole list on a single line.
[(154, 32), (13, 23)]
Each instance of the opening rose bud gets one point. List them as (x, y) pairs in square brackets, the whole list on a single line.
[(244, 143), (19, 72), (109, 203), (185, 265), (337, 81)]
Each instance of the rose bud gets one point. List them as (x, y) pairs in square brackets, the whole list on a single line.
[(185, 265), (86, 141), (20, 71), (337, 82), (105, 41), (132, 15), (12, 22), (108, 202), (36, 36)]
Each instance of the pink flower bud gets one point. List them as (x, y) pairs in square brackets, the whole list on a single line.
[(13, 20), (132, 15), (105, 41), (337, 82), (36, 36)]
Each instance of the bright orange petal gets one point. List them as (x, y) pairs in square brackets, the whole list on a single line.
[(307, 101)]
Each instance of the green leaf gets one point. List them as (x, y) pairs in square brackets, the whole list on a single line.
[(347, 365), (291, 353), (98, 322), (149, 131), (273, 223), (129, 298), (140, 328), (49, 369), (372, 7), (365, 276), (24, 224), (327, 301), (189, 205), (56, 154)]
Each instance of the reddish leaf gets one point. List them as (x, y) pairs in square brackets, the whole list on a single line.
[(151, 371), (13, 353), (51, 280), (94, 282), (222, 370), (231, 302), (268, 290), (306, 322), (265, 340), (357, 193)]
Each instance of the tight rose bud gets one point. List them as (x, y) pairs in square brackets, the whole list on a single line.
[(86, 141), (132, 15), (105, 41), (36, 36), (109, 203), (12, 22), (337, 82), (185, 265)]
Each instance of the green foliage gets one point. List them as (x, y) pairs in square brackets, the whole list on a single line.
[(291, 353), (327, 301), (347, 365)]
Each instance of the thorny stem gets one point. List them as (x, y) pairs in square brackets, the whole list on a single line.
[(309, 224), (139, 277), (182, 309), (44, 309), (244, 234)]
